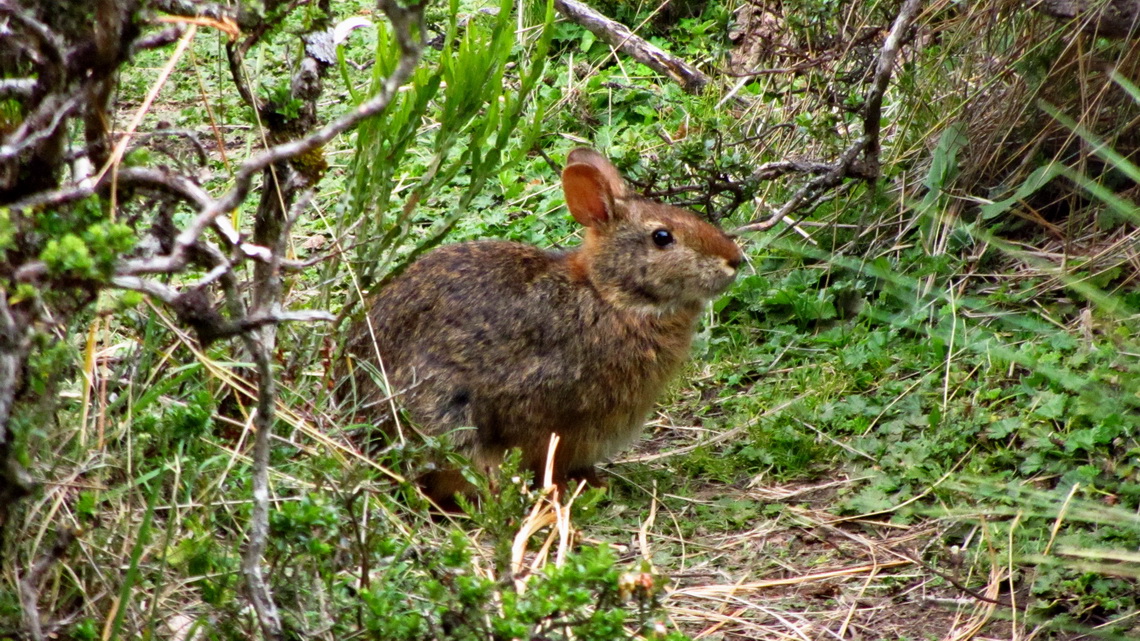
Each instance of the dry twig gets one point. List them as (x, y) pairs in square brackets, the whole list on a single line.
[(618, 36)]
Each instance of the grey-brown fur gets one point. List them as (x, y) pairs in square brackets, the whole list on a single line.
[(520, 343)]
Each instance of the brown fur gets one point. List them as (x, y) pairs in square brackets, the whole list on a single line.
[(520, 343)]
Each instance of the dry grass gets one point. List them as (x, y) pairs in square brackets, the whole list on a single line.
[(808, 574)]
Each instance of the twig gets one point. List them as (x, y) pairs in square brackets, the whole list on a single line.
[(296, 316), (865, 35), (41, 124), (618, 36), (112, 164), (775, 169), (265, 26), (54, 46), (172, 297), (157, 40), (259, 594), (176, 184), (958, 584), (810, 192), (299, 206), (186, 134), (151, 288), (237, 75), (11, 340)]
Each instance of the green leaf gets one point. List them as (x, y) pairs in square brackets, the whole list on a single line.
[(1051, 405), (944, 160), (1036, 180)]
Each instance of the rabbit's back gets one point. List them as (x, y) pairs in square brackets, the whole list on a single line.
[(515, 342)]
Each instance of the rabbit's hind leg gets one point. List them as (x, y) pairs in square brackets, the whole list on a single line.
[(442, 486)]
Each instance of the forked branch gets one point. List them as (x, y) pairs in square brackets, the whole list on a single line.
[(868, 145), (407, 23)]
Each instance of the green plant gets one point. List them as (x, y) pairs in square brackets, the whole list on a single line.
[(466, 90)]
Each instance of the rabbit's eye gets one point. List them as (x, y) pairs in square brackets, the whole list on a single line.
[(662, 238)]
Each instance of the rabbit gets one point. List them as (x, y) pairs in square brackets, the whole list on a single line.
[(520, 343)]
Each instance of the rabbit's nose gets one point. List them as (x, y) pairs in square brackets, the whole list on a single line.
[(735, 260)]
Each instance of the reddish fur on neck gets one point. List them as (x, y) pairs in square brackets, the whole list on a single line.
[(579, 265)]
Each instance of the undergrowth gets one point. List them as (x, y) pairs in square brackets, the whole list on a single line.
[(956, 342)]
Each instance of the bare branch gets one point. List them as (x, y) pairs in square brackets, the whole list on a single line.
[(194, 309), (295, 212), (407, 23), (263, 420), (149, 287), (30, 583), (873, 103), (958, 584), (810, 192), (159, 179), (41, 124), (158, 39), (258, 32), (243, 180), (17, 87), (54, 198), (30, 272), (15, 482), (237, 74), (301, 265), (54, 46), (865, 34), (186, 134), (12, 339), (618, 36), (175, 184), (775, 169), (295, 316)]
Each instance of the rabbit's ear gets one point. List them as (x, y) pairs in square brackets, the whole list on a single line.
[(591, 184)]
